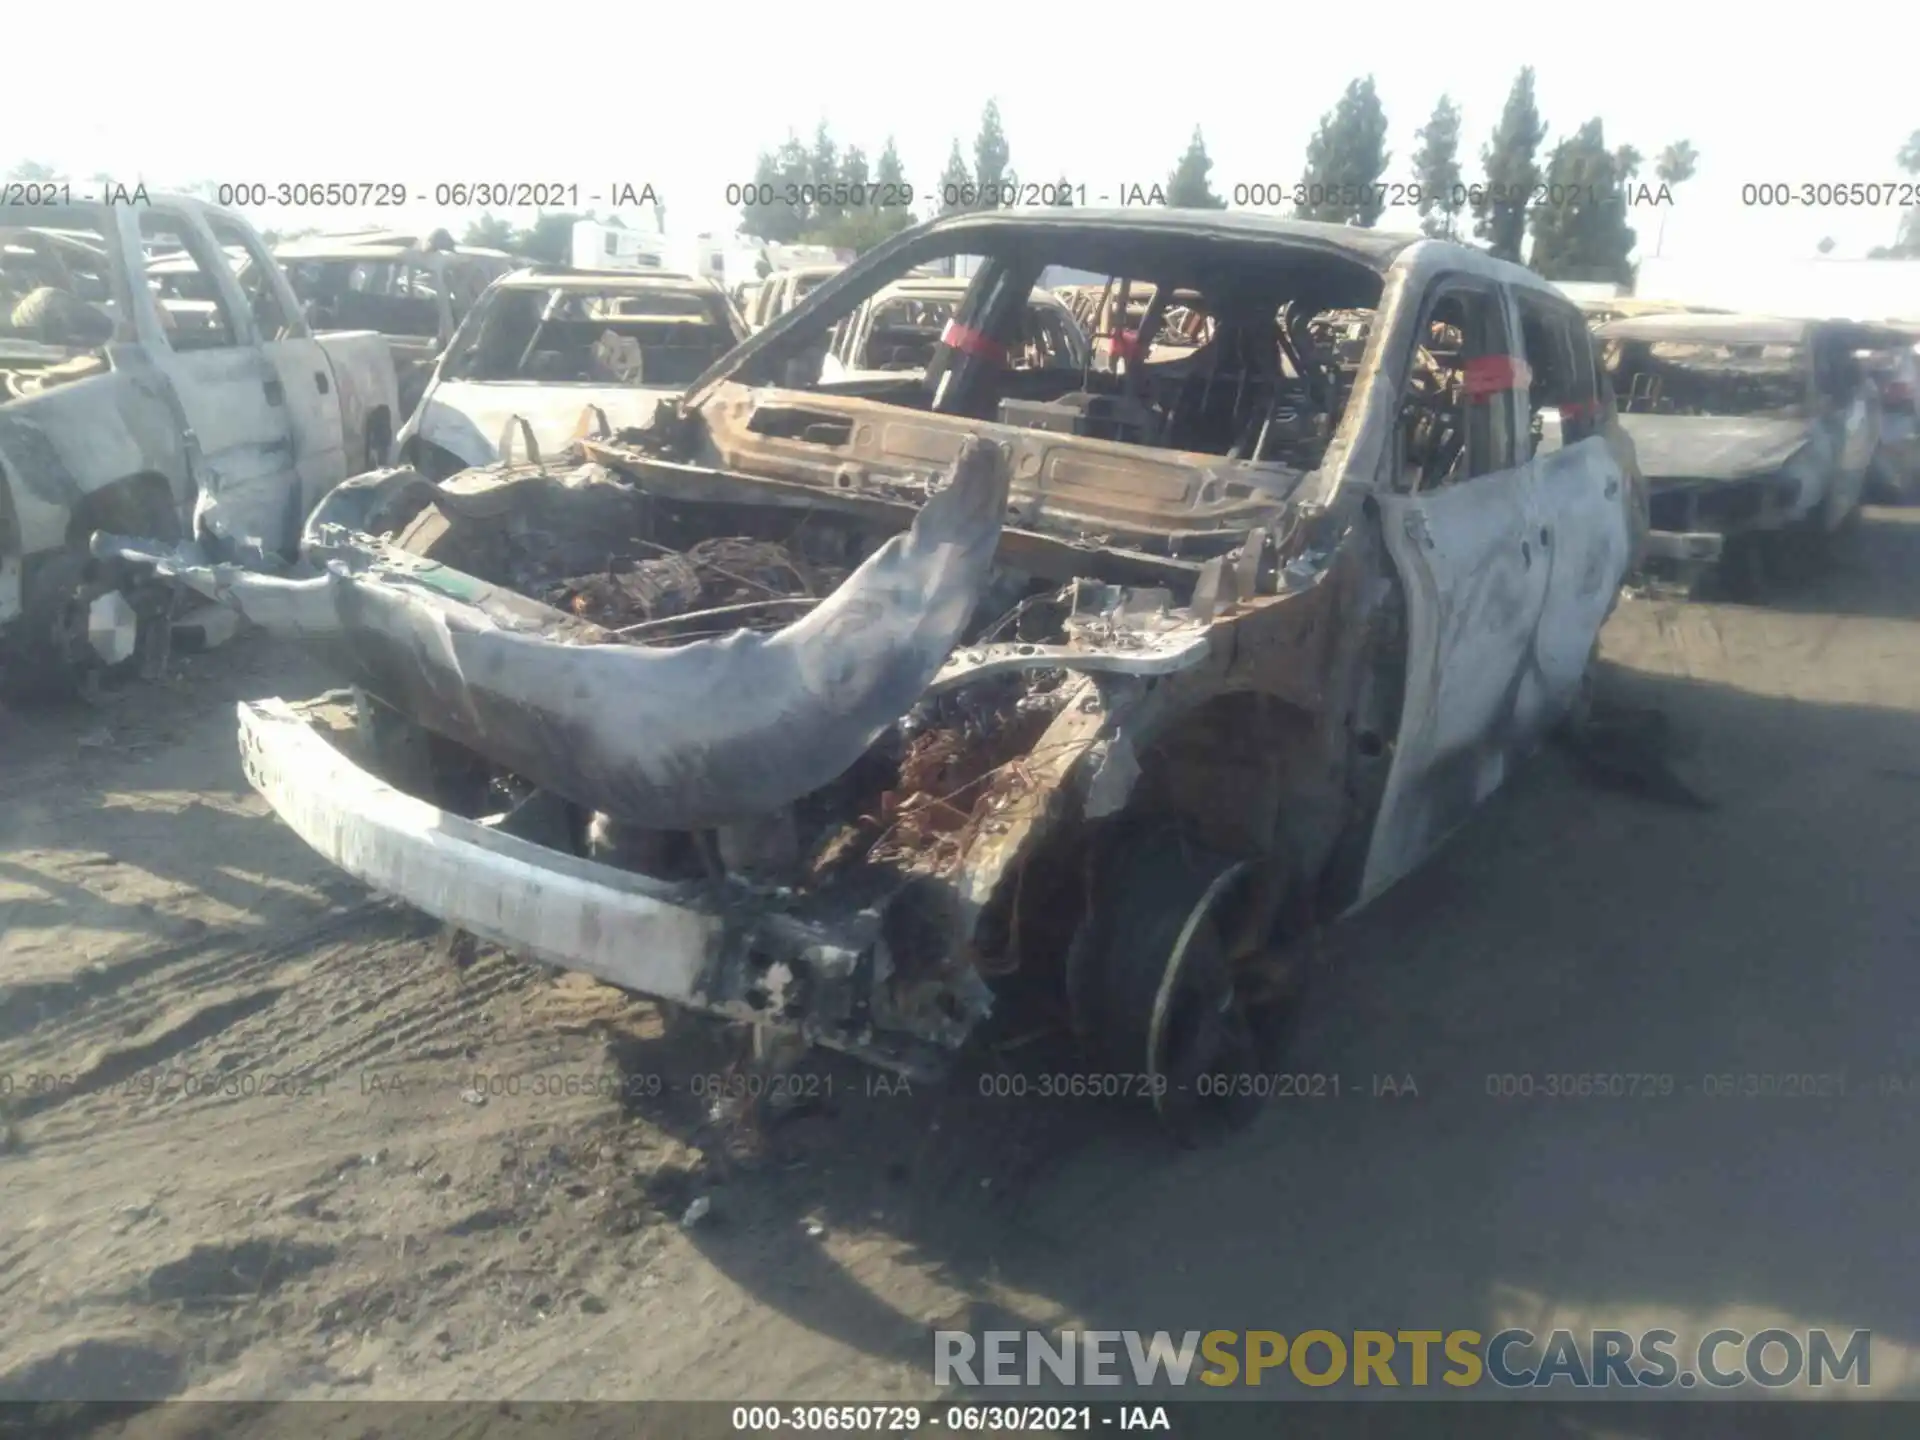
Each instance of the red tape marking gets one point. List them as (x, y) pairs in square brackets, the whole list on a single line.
[(1489, 375), (972, 342)]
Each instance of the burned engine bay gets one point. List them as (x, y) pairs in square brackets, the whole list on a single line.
[(637, 570)]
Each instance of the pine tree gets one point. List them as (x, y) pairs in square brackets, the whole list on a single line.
[(1436, 171), (1512, 172), (823, 171), (1187, 186), (759, 219), (889, 172), (957, 190), (793, 170), (990, 156), (1345, 160), (853, 173), (1582, 232), (489, 232)]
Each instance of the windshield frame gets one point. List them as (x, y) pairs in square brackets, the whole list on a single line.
[(1702, 370)]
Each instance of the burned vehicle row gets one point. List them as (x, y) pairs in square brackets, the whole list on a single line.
[(156, 377), (413, 291), (544, 347), (781, 291), (844, 708), (1752, 432), (416, 291)]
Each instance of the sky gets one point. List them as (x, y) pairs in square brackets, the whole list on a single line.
[(684, 97)]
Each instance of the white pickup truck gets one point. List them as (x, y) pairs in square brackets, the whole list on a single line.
[(182, 403)]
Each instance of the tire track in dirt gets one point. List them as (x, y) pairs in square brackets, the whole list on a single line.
[(431, 1012), (238, 1012), (115, 1066), (318, 1024), (26, 1006), (118, 999)]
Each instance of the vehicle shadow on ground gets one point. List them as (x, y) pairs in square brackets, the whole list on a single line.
[(93, 831), (1568, 930), (185, 717), (1865, 572)]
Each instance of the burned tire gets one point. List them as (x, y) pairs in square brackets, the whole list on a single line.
[(49, 657), (1158, 994)]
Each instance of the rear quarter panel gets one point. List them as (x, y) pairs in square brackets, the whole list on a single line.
[(65, 443)]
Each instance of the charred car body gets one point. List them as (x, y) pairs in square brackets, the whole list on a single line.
[(156, 377), (1629, 307), (1109, 682), (542, 348), (1748, 429)]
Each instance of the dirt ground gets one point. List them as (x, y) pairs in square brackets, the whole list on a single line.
[(269, 1137)]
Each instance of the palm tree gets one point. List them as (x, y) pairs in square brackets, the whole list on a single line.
[(1675, 167)]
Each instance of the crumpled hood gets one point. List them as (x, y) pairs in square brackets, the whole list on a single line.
[(684, 738), (1704, 447), (467, 416)]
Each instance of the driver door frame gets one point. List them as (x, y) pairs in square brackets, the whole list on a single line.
[(1474, 589)]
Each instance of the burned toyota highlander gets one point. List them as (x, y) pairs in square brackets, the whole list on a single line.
[(835, 707)]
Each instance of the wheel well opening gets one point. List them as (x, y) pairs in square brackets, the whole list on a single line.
[(1233, 772), (140, 505), (1242, 775)]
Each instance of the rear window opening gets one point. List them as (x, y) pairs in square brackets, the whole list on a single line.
[(394, 297), (1244, 349), (57, 306), (575, 335)]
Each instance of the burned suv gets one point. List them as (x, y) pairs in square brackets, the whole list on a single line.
[(1755, 434), (841, 708)]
